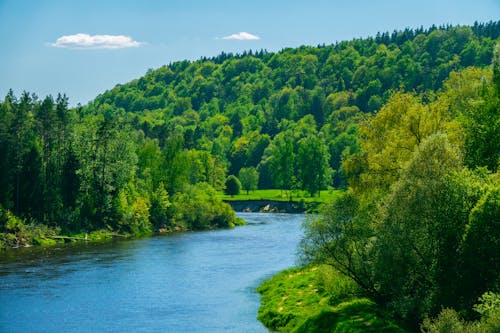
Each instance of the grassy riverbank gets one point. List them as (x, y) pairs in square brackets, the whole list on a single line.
[(281, 195), (318, 299), (301, 200)]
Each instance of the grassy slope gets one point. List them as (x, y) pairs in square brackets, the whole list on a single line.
[(318, 299)]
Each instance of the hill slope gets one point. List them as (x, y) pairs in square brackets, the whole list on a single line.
[(234, 106)]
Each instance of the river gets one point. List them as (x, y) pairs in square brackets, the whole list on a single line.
[(190, 282)]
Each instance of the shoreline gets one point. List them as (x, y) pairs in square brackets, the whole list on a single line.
[(273, 206)]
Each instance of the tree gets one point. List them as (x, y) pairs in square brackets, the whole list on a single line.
[(249, 178), (480, 250), (158, 211), (389, 139), (496, 68), (107, 164), (421, 224), (481, 122), (279, 156), (239, 154), (312, 164), (23, 144), (6, 151), (341, 236), (233, 185)]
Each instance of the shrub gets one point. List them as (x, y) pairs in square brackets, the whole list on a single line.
[(233, 185)]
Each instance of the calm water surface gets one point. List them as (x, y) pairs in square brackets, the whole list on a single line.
[(192, 282)]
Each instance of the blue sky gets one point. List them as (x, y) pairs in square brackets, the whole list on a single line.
[(43, 49)]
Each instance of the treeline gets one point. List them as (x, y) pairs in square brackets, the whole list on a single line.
[(419, 227), (242, 109), (65, 173)]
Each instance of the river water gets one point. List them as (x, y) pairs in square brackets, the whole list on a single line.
[(190, 282)]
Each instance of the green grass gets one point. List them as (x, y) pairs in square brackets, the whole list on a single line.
[(281, 195), (318, 299)]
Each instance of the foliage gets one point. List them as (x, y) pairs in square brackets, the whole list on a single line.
[(233, 185), (481, 245), (421, 224), (418, 228), (15, 232), (449, 320), (254, 109), (249, 178), (312, 164), (81, 173), (160, 204), (197, 207), (335, 234)]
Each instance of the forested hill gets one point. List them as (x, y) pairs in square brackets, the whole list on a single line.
[(149, 155), (287, 84), (235, 105)]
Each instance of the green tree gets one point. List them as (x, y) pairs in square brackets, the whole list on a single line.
[(421, 225), (249, 178), (107, 164), (233, 185), (389, 139), (312, 164), (174, 171), (480, 250), (481, 122), (280, 157), (158, 211), (7, 141), (341, 236), (23, 143)]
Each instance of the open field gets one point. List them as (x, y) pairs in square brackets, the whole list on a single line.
[(281, 195)]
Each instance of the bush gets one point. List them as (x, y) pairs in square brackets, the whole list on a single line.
[(15, 232), (198, 207), (233, 185), (449, 320)]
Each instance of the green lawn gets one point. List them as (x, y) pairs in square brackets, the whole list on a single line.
[(281, 195)]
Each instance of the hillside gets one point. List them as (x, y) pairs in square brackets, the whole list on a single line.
[(246, 108)]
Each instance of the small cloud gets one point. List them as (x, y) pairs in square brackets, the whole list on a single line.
[(86, 41), (242, 36)]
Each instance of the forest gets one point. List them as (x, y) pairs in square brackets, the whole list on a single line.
[(407, 123)]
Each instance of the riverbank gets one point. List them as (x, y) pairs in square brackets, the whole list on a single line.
[(278, 201), (21, 235), (196, 208), (272, 206), (52, 238), (318, 299)]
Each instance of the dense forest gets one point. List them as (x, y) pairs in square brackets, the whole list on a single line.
[(406, 122), (65, 173), (284, 112)]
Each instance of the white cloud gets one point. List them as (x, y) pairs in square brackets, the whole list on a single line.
[(86, 41), (242, 36)]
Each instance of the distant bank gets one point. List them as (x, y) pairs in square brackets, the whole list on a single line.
[(271, 206), (277, 201)]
